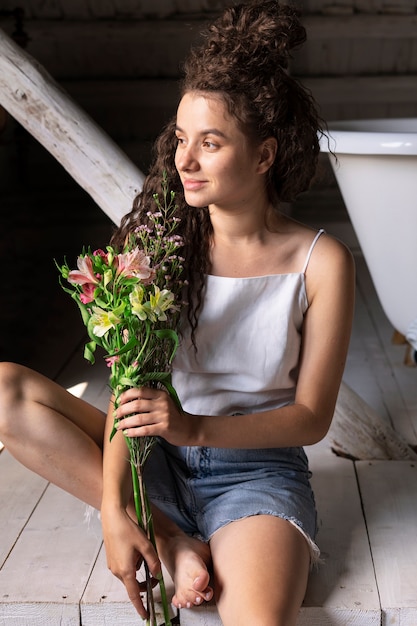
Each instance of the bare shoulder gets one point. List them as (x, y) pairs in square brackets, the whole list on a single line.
[(328, 249), (331, 264)]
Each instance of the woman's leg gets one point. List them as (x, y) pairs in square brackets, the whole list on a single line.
[(52, 432), (60, 437), (261, 566)]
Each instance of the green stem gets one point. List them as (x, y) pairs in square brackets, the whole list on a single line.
[(145, 525), (144, 515), (136, 492), (146, 340), (162, 588)]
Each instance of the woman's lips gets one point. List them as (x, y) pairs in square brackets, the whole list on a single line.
[(191, 184)]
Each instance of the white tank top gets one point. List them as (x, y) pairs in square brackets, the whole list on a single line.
[(248, 339)]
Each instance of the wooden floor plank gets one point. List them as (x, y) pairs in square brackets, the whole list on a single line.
[(325, 616), (345, 584), (20, 491), (50, 564), (309, 616), (205, 615), (38, 614), (389, 493)]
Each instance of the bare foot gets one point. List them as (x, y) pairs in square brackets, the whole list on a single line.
[(189, 561)]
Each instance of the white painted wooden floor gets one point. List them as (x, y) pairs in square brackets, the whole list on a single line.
[(52, 565)]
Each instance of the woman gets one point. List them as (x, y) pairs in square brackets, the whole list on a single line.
[(263, 346)]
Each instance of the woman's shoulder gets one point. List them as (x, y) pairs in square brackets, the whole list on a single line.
[(329, 250), (316, 243), (305, 247), (330, 268)]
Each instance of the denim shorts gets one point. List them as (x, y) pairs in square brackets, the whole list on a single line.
[(202, 489)]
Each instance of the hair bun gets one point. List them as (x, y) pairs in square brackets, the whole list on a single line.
[(261, 32)]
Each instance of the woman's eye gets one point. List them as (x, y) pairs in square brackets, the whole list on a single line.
[(209, 144)]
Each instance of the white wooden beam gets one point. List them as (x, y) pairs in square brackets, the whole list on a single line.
[(46, 111), (359, 432)]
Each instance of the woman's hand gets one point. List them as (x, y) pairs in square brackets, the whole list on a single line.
[(152, 412), (126, 547)]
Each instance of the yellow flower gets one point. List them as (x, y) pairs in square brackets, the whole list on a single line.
[(102, 320), (136, 300), (154, 308), (161, 301)]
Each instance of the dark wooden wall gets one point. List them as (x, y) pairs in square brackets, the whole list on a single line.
[(120, 59)]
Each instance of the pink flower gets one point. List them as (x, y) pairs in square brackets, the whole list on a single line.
[(135, 263), (88, 293), (105, 256), (84, 274), (111, 359)]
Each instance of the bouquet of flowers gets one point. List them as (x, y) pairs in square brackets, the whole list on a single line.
[(130, 303)]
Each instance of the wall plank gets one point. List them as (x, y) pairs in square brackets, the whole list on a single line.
[(336, 45)]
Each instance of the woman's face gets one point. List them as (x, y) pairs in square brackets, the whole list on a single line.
[(218, 165)]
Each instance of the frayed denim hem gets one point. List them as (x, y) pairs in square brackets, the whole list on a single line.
[(315, 558)]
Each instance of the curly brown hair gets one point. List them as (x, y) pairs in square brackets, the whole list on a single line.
[(243, 58)]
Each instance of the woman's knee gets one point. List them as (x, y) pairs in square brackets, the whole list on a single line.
[(13, 378), (265, 583)]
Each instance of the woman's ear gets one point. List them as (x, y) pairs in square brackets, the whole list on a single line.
[(267, 153)]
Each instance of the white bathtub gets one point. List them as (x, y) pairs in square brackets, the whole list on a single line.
[(376, 170)]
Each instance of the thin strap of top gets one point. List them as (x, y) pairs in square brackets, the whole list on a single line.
[(320, 232)]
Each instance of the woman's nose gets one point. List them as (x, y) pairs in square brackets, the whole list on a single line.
[(186, 158)]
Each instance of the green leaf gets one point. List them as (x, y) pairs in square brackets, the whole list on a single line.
[(102, 303), (85, 313), (168, 333), (113, 432), (127, 382), (130, 281), (159, 377), (132, 343), (171, 390), (89, 350), (69, 290)]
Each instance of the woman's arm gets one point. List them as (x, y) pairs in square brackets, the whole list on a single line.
[(126, 545), (117, 489), (330, 284)]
